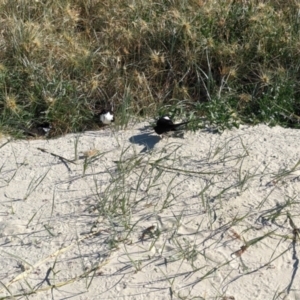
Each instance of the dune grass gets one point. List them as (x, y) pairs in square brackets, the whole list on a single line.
[(227, 61), (140, 210), (221, 63)]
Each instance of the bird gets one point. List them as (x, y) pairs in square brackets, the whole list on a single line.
[(38, 129), (44, 128), (106, 117), (164, 124)]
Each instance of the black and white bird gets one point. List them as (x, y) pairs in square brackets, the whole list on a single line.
[(106, 117), (37, 129), (165, 124)]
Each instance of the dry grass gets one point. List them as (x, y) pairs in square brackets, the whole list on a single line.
[(141, 214), (231, 61)]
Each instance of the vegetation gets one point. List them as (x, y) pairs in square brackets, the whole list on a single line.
[(226, 61), (213, 62), (119, 216)]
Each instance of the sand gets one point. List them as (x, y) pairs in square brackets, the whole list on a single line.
[(207, 216)]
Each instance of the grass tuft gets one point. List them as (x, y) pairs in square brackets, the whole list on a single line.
[(232, 62)]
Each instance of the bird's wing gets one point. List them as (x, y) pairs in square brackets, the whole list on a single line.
[(183, 123)]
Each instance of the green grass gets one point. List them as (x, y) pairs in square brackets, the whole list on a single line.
[(230, 62), (220, 63)]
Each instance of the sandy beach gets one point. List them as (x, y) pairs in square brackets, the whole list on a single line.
[(125, 215)]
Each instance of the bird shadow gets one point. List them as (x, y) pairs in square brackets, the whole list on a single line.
[(145, 139)]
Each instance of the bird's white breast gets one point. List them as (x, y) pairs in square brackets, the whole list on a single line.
[(106, 118)]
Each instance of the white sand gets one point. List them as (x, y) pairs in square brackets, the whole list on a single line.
[(210, 193)]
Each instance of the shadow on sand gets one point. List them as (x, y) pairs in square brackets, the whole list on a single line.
[(145, 139)]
